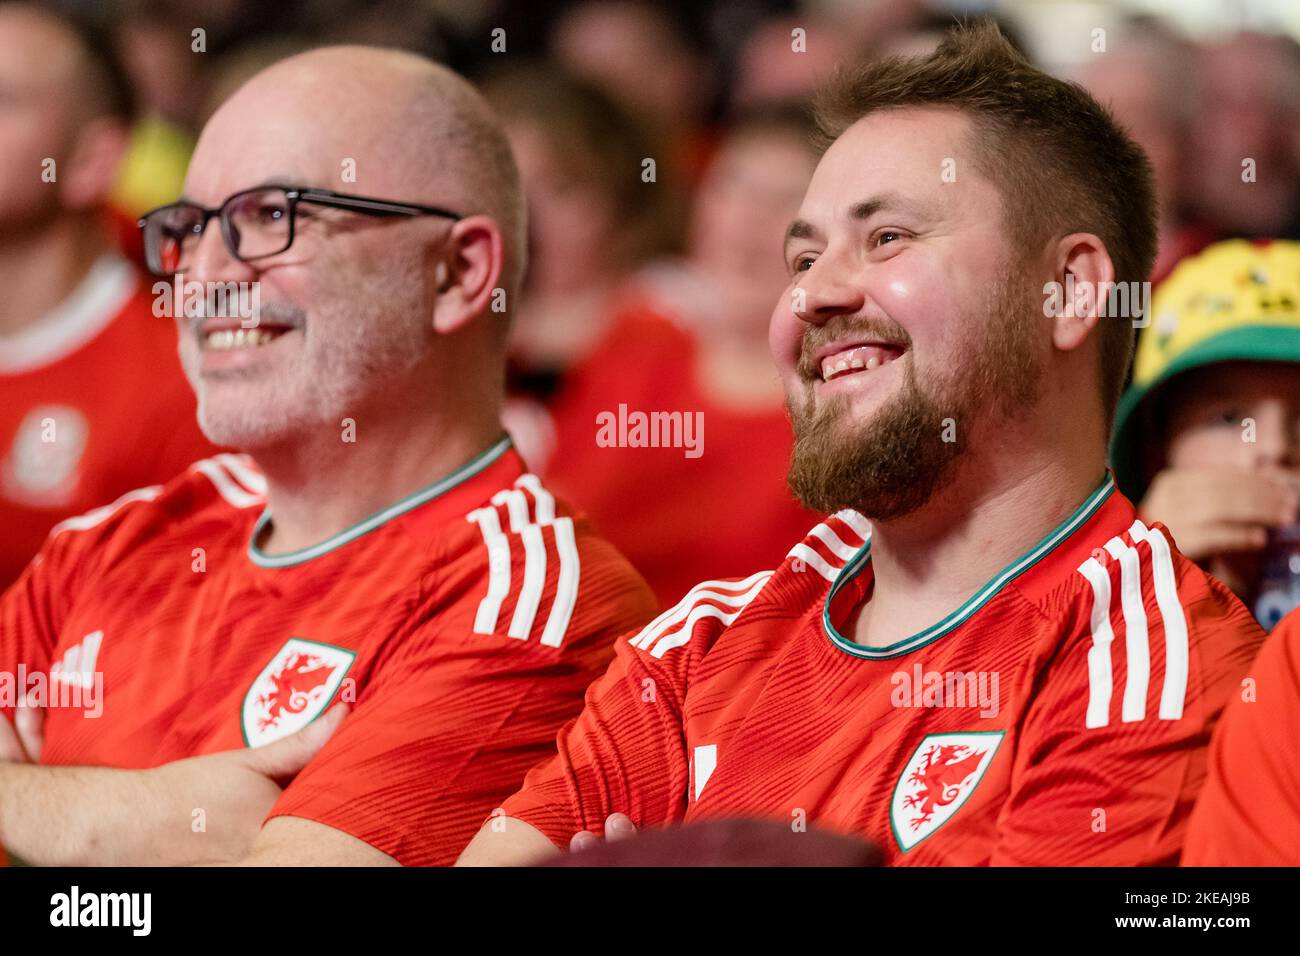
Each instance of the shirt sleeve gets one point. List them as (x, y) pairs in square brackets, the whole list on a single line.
[(1249, 812), (1113, 745), (33, 609), (625, 753), (451, 720), (26, 632)]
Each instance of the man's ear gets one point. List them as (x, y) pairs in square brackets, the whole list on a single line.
[(468, 273), (90, 172), (1085, 275)]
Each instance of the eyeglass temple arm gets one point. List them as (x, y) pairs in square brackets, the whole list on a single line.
[(381, 206)]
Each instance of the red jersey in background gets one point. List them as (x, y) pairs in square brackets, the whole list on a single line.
[(714, 503), (93, 403)]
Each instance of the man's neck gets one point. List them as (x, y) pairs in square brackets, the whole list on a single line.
[(40, 270), (734, 368), (927, 564), (316, 490)]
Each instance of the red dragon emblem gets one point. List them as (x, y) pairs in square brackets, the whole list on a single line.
[(292, 688), (940, 779)]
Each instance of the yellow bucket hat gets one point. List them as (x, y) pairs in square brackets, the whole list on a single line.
[(1233, 301)]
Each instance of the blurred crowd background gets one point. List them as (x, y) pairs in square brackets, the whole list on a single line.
[(651, 285)]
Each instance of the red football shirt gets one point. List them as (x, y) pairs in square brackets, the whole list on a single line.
[(650, 501), (1249, 811), (93, 403), (1059, 716), (463, 623)]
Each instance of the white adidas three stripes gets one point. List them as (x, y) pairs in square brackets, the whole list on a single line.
[(529, 530), (673, 627), (834, 543), (1137, 645)]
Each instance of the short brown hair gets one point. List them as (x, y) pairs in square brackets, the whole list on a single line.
[(1061, 161)]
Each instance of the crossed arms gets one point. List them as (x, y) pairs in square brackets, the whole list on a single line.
[(91, 816)]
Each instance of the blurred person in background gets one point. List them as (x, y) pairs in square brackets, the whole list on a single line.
[(165, 48), (1142, 80), (92, 399), (1248, 110), (770, 69), (650, 61), (1207, 438), (697, 345), (592, 222), (916, 29)]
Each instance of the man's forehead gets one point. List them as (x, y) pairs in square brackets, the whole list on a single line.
[(240, 149), (897, 160), (897, 144), (302, 130), (211, 181)]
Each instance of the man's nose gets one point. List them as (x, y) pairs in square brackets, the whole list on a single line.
[(824, 293)]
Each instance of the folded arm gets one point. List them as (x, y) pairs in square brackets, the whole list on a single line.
[(205, 809)]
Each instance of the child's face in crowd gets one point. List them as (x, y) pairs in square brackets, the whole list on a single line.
[(1236, 414), (1230, 474)]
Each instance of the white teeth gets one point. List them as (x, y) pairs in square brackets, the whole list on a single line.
[(851, 359), (225, 339)]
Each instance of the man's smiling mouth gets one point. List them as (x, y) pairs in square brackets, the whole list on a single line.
[(226, 335), (857, 358)]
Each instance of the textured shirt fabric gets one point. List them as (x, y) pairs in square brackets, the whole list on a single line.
[(462, 624), (1060, 716)]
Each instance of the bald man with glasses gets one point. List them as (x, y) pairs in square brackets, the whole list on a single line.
[(346, 644)]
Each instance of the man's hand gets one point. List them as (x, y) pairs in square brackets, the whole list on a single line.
[(618, 826), (1216, 511), (233, 791)]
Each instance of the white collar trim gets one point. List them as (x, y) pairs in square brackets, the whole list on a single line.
[(91, 307)]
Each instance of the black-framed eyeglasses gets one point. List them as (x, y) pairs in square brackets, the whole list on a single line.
[(255, 223)]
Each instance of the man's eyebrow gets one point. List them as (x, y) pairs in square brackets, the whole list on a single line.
[(865, 209), (893, 201), (800, 229)]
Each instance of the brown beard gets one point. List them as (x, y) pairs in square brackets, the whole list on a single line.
[(896, 462)]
